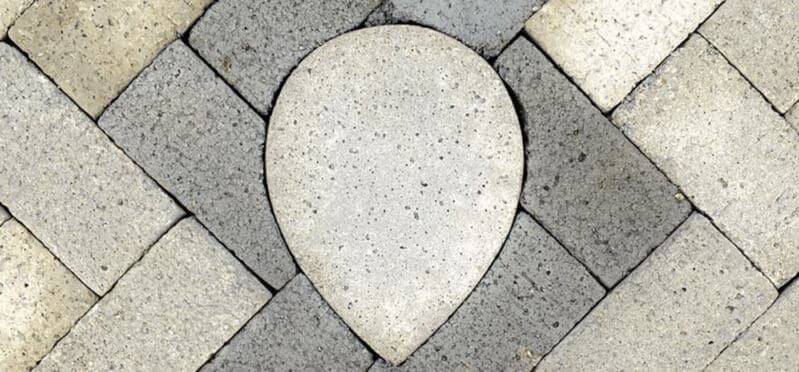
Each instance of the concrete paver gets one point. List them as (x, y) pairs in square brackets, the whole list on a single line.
[(9, 11)]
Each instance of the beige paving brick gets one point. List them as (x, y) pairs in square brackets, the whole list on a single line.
[(170, 312), (67, 182), (761, 38), (723, 145), (93, 48), (676, 311), (607, 46), (9, 11), (39, 299)]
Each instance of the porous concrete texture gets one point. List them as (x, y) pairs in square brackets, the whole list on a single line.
[(39, 299), (761, 39), (724, 146), (67, 182), (254, 44), (586, 183), (394, 163), (678, 310), (170, 312), (532, 295), (484, 25), (607, 46), (93, 48), (9, 11), (193, 135), (296, 331)]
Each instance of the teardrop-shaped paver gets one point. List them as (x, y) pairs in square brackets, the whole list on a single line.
[(394, 163)]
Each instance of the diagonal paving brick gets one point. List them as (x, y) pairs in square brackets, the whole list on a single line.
[(533, 294), (676, 311), (191, 133), (170, 312), (761, 38), (296, 331), (586, 183), (39, 299), (607, 46), (254, 44), (9, 11), (66, 181), (723, 145), (93, 48)]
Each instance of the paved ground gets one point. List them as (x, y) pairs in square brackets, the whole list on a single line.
[(653, 223)]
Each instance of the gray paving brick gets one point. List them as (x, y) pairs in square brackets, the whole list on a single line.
[(296, 331), (676, 311), (723, 145), (67, 182), (170, 312), (761, 38), (9, 11), (586, 183), (532, 295), (191, 133), (484, 25), (254, 44)]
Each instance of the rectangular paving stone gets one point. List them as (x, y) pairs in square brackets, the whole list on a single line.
[(586, 183), (723, 145), (67, 182), (39, 299), (676, 311), (9, 11), (255, 44), (761, 38), (191, 133), (607, 46), (296, 331), (93, 48), (170, 312)]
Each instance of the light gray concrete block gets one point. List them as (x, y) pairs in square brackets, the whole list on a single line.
[(9, 11), (170, 312), (586, 183), (676, 311), (254, 44), (191, 133), (67, 182), (723, 145), (296, 331), (532, 295)]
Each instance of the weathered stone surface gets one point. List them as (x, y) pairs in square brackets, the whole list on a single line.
[(296, 331), (39, 299), (676, 311), (93, 48), (723, 145), (607, 46), (67, 182), (586, 183), (170, 312), (485, 26), (394, 164), (9, 11), (254, 44), (532, 295), (191, 133), (761, 38)]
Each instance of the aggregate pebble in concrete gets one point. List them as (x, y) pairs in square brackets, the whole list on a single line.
[(761, 38), (484, 25), (586, 183), (296, 331), (676, 311), (9, 11), (726, 148), (39, 299), (67, 182), (607, 46), (93, 48), (254, 44), (191, 133), (170, 312), (532, 295), (394, 165)]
